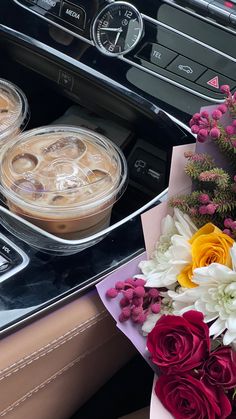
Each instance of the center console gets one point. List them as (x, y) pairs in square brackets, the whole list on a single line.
[(135, 71)]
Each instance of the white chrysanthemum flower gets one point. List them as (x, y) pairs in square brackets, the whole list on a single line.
[(172, 252), (215, 297), (166, 308)]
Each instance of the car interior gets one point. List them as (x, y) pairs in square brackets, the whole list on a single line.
[(135, 72)]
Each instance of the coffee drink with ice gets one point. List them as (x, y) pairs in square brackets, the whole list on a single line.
[(13, 111), (63, 179)]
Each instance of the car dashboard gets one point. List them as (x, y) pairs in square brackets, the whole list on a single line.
[(180, 52)]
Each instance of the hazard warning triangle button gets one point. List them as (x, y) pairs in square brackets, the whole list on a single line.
[(214, 82)]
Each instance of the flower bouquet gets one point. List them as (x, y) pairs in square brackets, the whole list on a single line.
[(177, 303)]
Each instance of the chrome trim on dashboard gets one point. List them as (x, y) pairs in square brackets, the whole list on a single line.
[(180, 123)]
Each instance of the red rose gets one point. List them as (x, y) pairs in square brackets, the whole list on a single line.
[(220, 368), (179, 343), (186, 397)]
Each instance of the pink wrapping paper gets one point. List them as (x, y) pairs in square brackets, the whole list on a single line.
[(151, 222), (179, 183)]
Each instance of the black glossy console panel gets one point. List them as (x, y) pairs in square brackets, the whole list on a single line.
[(134, 89)]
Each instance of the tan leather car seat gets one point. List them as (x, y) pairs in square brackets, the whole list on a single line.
[(52, 366)]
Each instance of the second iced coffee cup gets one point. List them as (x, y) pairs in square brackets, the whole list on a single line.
[(63, 179), (14, 111)]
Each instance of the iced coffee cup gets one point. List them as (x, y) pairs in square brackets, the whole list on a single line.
[(63, 179), (14, 111)]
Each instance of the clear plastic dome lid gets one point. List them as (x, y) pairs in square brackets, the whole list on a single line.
[(14, 110), (58, 168)]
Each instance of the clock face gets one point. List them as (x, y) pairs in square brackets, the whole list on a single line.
[(117, 29)]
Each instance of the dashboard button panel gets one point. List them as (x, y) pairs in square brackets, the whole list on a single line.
[(186, 68), (174, 51)]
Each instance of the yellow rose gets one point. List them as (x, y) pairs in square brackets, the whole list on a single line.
[(209, 245)]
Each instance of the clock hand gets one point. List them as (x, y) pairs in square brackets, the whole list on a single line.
[(112, 29), (117, 37)]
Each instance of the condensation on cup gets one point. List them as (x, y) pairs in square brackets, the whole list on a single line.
[(14, 111), (63, 179)]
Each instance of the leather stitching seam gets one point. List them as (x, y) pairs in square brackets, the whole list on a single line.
[(56, 343), (41, 386)]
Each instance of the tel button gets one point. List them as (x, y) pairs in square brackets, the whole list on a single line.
[(212, 80), (161, 56), (73, 14), (157, 54)]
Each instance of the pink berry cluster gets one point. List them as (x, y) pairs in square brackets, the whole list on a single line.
[(137, 301), (205, 125), (206, 206), (230, 227)]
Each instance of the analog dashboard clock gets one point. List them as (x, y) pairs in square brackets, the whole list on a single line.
[(117, 28)]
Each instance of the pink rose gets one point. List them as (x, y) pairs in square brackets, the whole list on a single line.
[(179, 343), (220, 368), (187, 397)]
